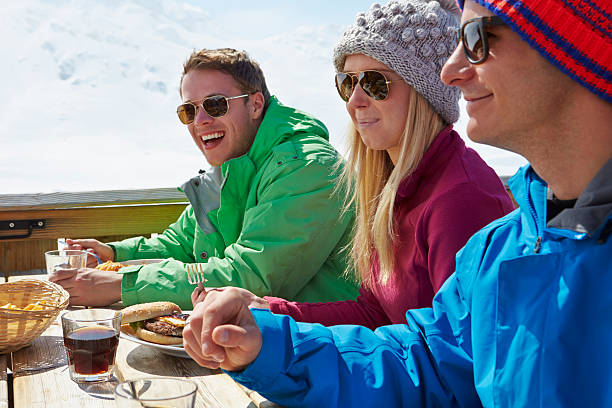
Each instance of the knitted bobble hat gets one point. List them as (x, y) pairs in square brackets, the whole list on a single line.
[(574, 35), (412, 37)]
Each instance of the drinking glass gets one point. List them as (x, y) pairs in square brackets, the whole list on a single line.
[(91, 337), (65, 259), (157, 392)]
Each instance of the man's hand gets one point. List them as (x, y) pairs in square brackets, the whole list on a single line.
[(103, 251), (222, 331), (199, 294), (89, 287)]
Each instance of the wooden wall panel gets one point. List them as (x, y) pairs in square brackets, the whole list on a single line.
[(27, 255), (106, 223)]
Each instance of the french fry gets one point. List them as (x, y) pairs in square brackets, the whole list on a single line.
[(31, 307), (9, 306), (110, 266)]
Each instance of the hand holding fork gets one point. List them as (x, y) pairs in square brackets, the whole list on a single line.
[(195, 276)]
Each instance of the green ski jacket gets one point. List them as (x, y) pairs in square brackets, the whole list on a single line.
[(267, 221)]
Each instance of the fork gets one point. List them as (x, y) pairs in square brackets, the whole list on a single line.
[(195, 274)]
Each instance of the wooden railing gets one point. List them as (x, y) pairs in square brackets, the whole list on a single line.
[(104, 215)]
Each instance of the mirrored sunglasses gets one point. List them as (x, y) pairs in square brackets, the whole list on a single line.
[(215, 106), (473, 36), (373, 83)]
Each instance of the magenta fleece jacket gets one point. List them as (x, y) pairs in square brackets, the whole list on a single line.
[(450, 196)]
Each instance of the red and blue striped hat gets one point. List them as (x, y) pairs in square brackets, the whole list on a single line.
[(574, 35)]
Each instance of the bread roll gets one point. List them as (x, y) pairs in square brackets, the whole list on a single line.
[(144, 311), (148, 335)]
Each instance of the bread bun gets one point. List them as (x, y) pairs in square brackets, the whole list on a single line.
[(146, 311), (149, 336)]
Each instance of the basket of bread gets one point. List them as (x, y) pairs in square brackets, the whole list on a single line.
[(27, 308)]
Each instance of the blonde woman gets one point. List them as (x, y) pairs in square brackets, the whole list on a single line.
[(420, 193)]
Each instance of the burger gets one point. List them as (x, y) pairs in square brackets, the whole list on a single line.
[(155, 322)]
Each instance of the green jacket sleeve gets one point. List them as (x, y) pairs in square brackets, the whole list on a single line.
[(175, 242), (165, 280)]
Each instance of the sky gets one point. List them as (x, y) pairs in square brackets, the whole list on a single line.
[(90, 88)]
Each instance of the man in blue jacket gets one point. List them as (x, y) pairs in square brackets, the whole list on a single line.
[(526, 320)]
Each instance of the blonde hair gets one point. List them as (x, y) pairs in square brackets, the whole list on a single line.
[(371, 181)]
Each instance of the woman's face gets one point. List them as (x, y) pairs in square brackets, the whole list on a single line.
[(379, 123)]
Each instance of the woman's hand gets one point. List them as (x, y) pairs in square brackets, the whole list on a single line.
[(199, 294)]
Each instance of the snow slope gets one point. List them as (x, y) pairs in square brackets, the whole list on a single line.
[(89, 88)]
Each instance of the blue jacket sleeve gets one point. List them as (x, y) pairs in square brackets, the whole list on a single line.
[(426, 362)]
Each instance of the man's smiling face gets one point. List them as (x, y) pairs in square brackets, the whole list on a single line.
[(513, 95), (223, 138)]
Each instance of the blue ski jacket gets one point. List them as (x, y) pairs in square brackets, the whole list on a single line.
[(525, 321)]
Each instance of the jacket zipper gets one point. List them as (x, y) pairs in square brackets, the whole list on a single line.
[(532, 210), (537, 245)]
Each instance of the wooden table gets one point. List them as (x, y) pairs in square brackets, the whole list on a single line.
[(41, 379), (3, 382)]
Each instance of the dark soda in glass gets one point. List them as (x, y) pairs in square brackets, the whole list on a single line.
[(91, 350)]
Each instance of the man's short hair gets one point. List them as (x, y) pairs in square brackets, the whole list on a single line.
[(245, 71)]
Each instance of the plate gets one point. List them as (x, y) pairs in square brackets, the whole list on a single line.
[(176, 351), (141, 262)]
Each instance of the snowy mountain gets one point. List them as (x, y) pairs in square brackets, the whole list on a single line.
[(90, 88)]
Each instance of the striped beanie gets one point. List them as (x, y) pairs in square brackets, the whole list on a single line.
[(574, 35)]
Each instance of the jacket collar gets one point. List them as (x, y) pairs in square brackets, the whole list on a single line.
[(204, 194), (437, 153), (279, 123), (204, 190), (593, 207)]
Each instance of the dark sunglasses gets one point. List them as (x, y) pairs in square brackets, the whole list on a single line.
[(473, 36), (373, 83), (216, 106)]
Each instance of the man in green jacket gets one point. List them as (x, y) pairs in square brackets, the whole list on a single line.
[(265, 218)]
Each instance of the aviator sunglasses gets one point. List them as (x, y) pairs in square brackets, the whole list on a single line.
[(216, 106), (473, 36), (373, 83)]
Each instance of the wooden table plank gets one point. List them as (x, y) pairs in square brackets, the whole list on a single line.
[(215, 389), (3, 381), (257, 399)]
